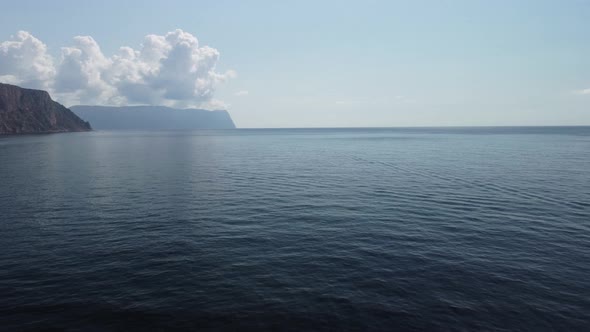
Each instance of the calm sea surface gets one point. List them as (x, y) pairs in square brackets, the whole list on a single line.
[(312, 229)]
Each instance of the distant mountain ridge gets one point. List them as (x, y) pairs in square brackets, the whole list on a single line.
[(28, 111), (153, 118)]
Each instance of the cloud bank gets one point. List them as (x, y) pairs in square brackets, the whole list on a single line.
[(170, 69)]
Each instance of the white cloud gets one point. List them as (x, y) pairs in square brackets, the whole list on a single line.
[(170, 69), (24, 60), (241, 93), (216, 104), (583, 92)]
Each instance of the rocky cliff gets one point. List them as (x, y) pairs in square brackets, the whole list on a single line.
[(153, 118), (27, 111)]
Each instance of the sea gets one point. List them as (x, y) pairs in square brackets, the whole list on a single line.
[(360, 229)]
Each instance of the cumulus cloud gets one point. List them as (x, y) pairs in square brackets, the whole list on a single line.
[(24, 60), (171, 69), (582, 92), (241, 93)]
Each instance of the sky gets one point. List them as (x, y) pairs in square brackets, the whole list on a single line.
[(311, 63)]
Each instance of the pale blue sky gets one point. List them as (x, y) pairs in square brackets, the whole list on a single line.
[(359, 63)]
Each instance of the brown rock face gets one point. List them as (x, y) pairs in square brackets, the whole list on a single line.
[(27, 111)]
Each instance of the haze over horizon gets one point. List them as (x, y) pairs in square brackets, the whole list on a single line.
[(352, 64)]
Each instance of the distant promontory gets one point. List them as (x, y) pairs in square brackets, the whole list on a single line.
[(153, 118), (28, 111)]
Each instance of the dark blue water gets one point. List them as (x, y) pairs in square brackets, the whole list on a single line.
[(319, 229)]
